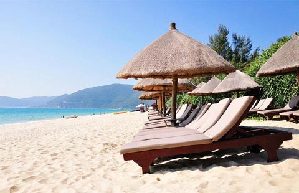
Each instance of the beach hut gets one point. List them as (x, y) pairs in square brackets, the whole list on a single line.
[(162, 85), (236, 81), (284, 60), (175, 55)]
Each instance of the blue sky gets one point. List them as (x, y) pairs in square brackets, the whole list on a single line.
[(49, 48)]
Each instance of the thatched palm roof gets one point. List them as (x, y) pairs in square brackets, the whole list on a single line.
[(154, 84), (208, 87), (175, 54), (193, 92), (149, 95), (236, 81), (284, 60)]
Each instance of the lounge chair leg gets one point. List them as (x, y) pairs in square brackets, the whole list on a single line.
[(144, 164), (271, 149)]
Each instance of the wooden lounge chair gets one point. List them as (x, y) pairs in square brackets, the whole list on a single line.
[(195, 114), (292, 105), (295, 116), (206, 120), (225, 134), (200, 126), (288, 115), (189, 120), (254, 104), (157, 113), (261, 105), (180, 112), (182, 115)]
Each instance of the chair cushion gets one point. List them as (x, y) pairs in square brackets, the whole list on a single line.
[(230, 117), (180, 141), (165, 134), (211, 116)]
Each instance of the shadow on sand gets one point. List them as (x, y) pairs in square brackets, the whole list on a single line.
[(292, 130), (224, 158), (227, 158)]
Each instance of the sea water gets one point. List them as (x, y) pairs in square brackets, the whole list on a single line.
[(17, 115)]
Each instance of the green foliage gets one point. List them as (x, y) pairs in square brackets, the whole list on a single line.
[(281, 87), (219, 42), (238, 52)]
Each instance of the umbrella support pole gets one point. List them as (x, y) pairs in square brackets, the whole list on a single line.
[(161, 104), (163, 99), (173, 106)]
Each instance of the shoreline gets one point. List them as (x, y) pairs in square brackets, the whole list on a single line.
[(65, 117)]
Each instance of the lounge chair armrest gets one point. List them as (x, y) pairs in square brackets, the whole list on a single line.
[(173, 120)]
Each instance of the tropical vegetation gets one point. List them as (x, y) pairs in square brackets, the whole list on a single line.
[(241, 54)]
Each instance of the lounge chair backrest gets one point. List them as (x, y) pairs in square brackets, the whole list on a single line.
[(259, 104), (178, 108), (168, 111), (254, 104), (266, 104), (202, 111), (182, 110), (211, 116), (186, 112), (235, 111), (293, 102), (191, 116)]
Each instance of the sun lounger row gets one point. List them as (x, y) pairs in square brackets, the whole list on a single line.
[(216, 126), (261, 105), (291, 106)]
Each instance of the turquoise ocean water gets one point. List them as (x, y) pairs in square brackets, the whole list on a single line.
[(17, 115)]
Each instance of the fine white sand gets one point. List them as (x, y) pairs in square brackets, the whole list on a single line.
[(82, 155)]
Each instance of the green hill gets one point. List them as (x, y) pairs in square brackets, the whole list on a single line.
[(108, 96)]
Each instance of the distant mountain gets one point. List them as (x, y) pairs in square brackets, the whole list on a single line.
[(9, 102), (108, 96)]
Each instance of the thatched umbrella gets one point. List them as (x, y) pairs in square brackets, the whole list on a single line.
[(149, 95), (284, 60), (236, 81), (193, 92), (155, 84), (152, 96), (157, 96), (207, 88), (162, 85), (175, 55)]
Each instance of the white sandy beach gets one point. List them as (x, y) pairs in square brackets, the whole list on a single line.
[(82, 155)]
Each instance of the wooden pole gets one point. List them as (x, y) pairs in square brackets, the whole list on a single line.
[(163, 98), (174, 92), (161, 104)]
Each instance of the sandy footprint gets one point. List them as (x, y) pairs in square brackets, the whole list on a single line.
[(30, 178), (43, 181), (13, 189)]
